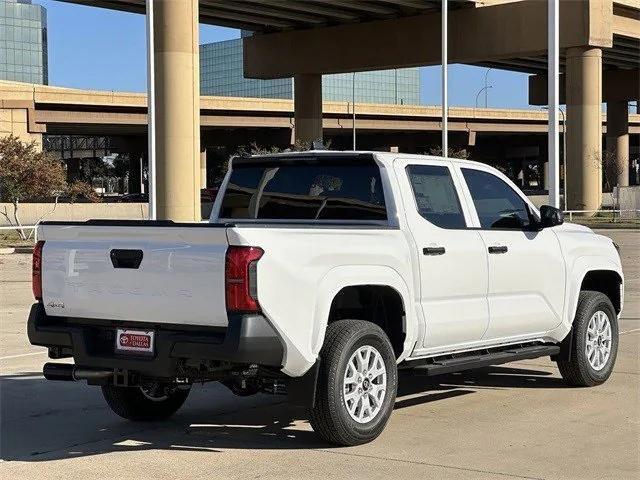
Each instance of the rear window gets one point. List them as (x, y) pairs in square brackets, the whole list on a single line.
[(341, 189)]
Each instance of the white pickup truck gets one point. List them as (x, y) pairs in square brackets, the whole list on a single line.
[(320, 275)]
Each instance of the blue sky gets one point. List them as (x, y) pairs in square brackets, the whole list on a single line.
[(105, 50)]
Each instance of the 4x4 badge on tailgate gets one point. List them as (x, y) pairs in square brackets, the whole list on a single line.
[(55, 304)]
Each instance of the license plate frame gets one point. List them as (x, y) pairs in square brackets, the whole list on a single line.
[(132, 341)]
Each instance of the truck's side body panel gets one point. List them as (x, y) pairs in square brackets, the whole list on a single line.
[(584, 252), (302, 269)]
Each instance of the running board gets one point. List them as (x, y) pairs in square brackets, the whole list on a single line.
[(440, 365)]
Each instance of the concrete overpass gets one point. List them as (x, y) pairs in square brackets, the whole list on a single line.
[(42, 109), (311, 38), (497, 136)]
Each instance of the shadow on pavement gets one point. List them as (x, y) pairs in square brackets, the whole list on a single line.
[(42, 421)]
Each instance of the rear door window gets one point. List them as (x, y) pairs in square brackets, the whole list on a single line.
[(436, 196), (323, 189)]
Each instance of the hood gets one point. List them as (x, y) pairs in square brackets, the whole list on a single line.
[(574, 227)]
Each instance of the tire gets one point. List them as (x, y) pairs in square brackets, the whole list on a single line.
[(330, 417), (578, 370), (138, 404)]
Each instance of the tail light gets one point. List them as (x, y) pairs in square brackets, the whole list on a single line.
[(36, 270), (241, 283)]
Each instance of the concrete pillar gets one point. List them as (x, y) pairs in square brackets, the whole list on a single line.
[(177, 110), (618, 140), (584, 128), (307, 101), (203, 167)]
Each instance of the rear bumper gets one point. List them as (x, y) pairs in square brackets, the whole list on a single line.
[(248, 339)]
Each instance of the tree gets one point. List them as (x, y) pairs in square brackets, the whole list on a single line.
[(461, 153), (611, 172), (26, 174)]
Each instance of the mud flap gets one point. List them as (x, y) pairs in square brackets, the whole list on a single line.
[(565, 348), (301, 391)]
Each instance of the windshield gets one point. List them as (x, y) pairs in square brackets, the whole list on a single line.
[(342, 189)]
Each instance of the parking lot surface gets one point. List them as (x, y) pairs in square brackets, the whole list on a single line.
[(514, 421)]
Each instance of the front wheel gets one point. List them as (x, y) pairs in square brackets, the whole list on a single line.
[(149, 402), (594, 343), (357, 383)]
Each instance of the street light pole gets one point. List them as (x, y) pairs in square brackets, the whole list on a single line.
[(553, 87), (564, 154), (486, 88), (151, 111), (564, 158), (353, 105), (445, 92), (483, 89)]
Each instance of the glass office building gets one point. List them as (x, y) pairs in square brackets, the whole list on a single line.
[(221, 73), (23, 42)]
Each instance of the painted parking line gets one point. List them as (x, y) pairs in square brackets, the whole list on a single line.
[(8, 357), (630, 331)]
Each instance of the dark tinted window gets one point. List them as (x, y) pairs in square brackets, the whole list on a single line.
[(436, 195), (497, 204), (301, 190)]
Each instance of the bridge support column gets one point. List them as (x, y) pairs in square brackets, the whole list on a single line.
[(177, 114), (307, 104), (584, 128), (618, 140)]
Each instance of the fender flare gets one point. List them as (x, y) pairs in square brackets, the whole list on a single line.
[(576, 274), (353, 275)]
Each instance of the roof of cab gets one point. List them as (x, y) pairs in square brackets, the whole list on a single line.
[(384, 157)]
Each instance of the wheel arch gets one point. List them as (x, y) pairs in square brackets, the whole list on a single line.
[(593, 273), (344, 287), (607, 282)]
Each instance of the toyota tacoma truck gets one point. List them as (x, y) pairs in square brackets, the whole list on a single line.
[(320, 275)]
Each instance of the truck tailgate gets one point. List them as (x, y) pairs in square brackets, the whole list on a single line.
[(135, 271)]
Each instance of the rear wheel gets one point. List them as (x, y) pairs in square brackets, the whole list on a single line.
[(594, 343), (357, 383), (148, 402)]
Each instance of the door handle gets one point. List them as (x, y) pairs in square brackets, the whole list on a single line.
[(498, 249), (433, 251)]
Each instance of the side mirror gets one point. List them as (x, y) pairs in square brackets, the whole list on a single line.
[(550, 216)]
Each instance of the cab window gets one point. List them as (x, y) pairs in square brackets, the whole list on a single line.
[(436, 196), (498, 205)]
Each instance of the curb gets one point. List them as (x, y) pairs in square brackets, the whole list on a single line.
[(7, 251)]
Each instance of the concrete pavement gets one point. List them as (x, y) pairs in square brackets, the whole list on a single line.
[(513, 421)]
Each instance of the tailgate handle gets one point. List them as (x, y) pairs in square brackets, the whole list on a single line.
[(121, 258)]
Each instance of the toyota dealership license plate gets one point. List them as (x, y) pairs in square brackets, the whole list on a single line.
[(137, 341)]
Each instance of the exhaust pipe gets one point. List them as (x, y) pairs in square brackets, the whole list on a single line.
[(68, 373)]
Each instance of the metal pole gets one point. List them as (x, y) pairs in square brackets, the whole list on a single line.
[(151, 111), (445, 92), (480, 91), (395, 72), (564, 157), (486, 89), (353, 106), (553, 59)]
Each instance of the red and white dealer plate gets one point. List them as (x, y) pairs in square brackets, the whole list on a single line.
[(138, 341)]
